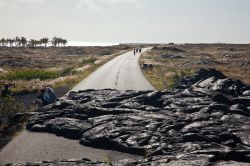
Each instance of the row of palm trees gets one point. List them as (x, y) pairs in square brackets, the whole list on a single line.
[(23, 42)]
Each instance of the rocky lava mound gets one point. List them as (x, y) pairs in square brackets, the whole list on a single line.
[(204, 120)]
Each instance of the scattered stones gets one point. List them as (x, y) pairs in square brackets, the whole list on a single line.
[(3, 71), (204, 120), (173, 49), (105, 52), (168, 56)]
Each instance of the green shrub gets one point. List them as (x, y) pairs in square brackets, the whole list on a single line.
[(9, 105), (29, 74), (68, 71), (10, 124), (105, 52), (178, 74), (89, 60), (107, 160)]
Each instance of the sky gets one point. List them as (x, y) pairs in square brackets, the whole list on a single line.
[(122, 21)]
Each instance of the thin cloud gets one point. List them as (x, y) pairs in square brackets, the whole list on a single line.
[(94, 5), (30, 1), (88, 5), (134, 3), (17, 3), (84, 5)]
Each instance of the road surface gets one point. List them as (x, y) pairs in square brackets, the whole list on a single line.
[(122, 73), (33, 147)]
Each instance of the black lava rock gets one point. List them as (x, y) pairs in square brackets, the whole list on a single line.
[(200, 121)]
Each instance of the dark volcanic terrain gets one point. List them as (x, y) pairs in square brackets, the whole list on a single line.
[(204, 120)]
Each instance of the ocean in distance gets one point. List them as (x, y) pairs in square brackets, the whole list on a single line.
[(75, 43)]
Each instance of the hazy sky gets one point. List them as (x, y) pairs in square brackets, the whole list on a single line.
[(128, 20)]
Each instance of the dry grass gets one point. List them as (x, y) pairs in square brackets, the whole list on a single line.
[(67, 72), (172, 62), (70, 82), (45, 58), (59, 71)]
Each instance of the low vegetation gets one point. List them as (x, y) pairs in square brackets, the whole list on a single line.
[(29, 74), (171, 62), (9, 106), (162, 77), (107, 160), (89, 60), (49, 67), (71, 70), (32, 68), (90, 67), (13, 116)]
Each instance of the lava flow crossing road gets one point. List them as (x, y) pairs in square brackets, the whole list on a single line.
[(122, 73)]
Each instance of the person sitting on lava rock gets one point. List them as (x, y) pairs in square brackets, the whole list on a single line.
[(46, 96)]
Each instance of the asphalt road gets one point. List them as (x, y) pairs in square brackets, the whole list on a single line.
[(122, 73), (33, 147)]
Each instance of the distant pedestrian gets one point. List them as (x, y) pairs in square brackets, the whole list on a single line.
[(150, 66), (143, 65)]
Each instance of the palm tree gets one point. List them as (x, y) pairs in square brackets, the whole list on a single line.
[(64, 42), (38, 42), (59, 40), (10, 42), (32, 43), (7, 41), (44, 41), (41, 41), (23, 41), (3, 42), (55, 41), (17, 41)]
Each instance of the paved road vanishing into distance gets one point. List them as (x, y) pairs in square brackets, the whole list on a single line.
[(122, 73)]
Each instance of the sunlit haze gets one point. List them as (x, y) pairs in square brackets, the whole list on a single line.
[(116, 21)]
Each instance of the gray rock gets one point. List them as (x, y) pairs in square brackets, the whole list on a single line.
[(207, 112)]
